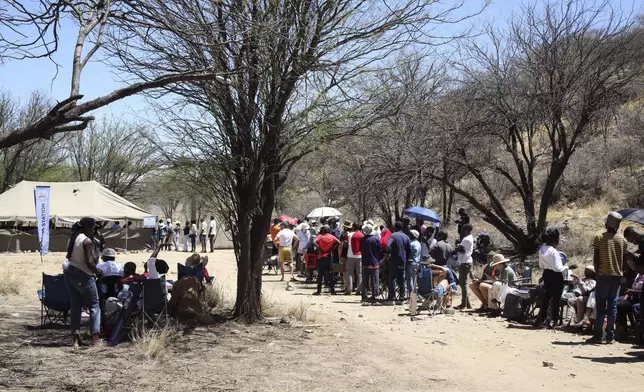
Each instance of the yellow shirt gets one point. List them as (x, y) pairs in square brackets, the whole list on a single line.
[(612, 247)]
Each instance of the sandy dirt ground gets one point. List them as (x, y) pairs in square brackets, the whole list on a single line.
[(342, 346)]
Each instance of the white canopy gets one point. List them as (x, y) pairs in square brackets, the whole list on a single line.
[(324, 212), (69, 201)]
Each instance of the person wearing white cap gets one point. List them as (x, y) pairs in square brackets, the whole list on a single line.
[(413, 260), (577, 298), (609, 249), (303, 237), (109, 266)]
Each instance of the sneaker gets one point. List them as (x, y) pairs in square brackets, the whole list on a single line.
[(96, 340), (594, 340)]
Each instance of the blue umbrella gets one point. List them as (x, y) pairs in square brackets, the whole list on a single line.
[(423, 213), (633, 215)]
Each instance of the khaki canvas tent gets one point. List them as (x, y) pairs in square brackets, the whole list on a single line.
[(69, 201)]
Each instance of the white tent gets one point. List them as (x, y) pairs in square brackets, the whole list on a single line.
[(69, 201)]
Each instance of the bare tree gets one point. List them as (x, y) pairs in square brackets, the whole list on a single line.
[(531, 98), (32, 32), (29, 160), (114, 153), (294, 69)]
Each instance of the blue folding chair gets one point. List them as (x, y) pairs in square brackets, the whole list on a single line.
[(55, 303), (197, 271)]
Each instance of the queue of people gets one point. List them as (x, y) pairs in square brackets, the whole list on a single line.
[(606, 296)]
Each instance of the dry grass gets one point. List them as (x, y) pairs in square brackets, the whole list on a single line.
[(154, 341), (215, 295), (9, 284), (299, 311)]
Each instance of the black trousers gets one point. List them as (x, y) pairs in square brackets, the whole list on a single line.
[(193, 242), (624, 310), (325, 271), (553, 284)]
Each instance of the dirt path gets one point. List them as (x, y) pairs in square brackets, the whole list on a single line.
[(346, 346)]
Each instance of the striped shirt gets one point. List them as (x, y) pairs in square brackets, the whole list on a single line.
[(611, 248)]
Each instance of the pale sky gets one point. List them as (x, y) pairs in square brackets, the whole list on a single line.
[(21, 77)]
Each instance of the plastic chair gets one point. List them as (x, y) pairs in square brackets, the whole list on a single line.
[(55, 303)]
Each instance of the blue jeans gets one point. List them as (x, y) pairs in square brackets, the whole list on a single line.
[(395, 275), (410, 273), (606, 297), (83, 293)]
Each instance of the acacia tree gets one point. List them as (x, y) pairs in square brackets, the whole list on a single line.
[(29, 160), (294, 67), (530, 99), (31, 30), (114, 153)]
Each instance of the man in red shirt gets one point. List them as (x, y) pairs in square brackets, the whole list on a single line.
[(353, 267), (326, 242)]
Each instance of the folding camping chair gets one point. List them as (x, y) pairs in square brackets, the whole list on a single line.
[(197, 271), (154, 305), (425, 290), (55, 303)]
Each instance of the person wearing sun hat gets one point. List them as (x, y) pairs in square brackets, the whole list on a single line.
[(505, 277), (577, 298)]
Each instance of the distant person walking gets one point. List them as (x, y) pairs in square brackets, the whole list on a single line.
[(609, 249), (186, 236), (212, 233), (193, 236), (177, 231), (202, 235)]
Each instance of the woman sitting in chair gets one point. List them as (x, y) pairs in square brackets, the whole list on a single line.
[(504, 279), (444, 282)]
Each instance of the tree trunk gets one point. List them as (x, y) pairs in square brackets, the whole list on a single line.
[(445, 216), (450, 203), (248, 305)]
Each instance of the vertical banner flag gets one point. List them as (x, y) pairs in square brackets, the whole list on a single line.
[(41, 195)]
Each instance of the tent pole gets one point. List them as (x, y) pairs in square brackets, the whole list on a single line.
[(126, 233)]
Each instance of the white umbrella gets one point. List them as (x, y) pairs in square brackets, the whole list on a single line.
[(324, 212)]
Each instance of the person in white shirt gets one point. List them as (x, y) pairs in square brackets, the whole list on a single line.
[(109, 266), (285, 240), (202, 235), (303, 237), (464, 260), (553, 278), (212, 233)]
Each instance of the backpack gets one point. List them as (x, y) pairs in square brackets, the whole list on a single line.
[(312, 247)]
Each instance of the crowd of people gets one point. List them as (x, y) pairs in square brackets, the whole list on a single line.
[(362, 254), (405, 261), (97, 282), (174, 236)]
